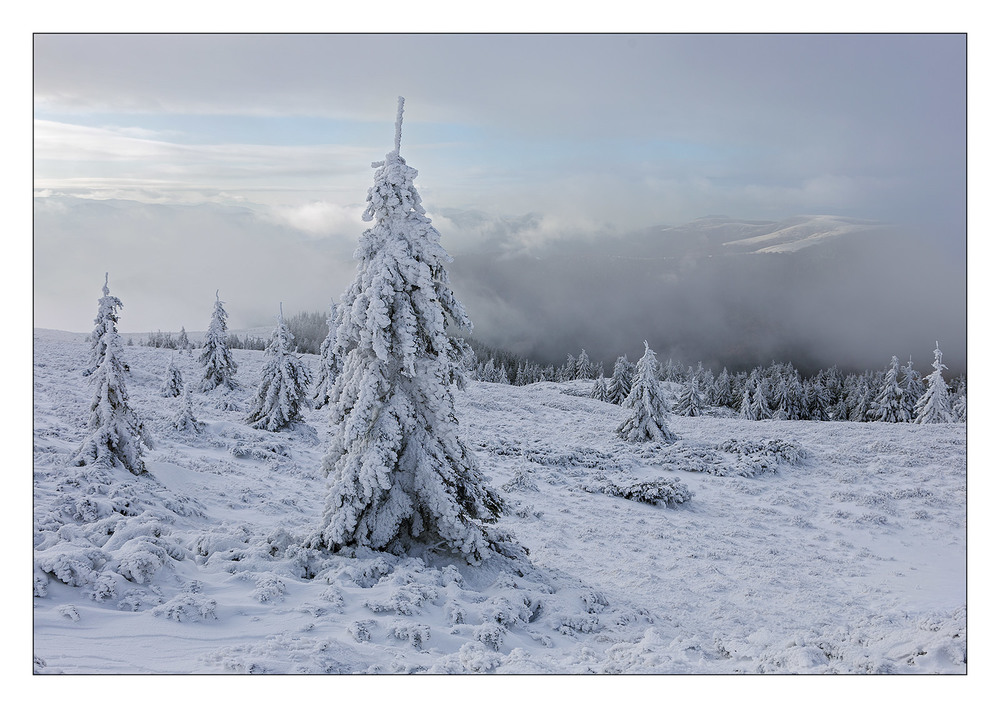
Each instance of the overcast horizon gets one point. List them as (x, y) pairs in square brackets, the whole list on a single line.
[(241, 162)]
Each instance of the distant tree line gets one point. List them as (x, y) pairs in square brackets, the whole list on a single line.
[(308, 328), (777, 391), (896, 394)]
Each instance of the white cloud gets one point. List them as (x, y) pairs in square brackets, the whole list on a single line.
[(85, 161), (320, 219)]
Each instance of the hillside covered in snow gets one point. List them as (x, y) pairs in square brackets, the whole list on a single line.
[(782, 547)]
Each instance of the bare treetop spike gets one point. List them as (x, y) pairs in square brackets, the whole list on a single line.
[(399, 123)]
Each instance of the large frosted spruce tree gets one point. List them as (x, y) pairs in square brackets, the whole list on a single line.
[(116, 433), (398, 476)]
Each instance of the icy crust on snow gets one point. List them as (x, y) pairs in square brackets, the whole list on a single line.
[(790, 547)]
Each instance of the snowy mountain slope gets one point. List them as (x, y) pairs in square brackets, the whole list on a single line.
[(841, 550), (804, 232)]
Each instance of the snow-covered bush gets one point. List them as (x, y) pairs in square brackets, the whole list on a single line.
[(648, 491), (756, 457)]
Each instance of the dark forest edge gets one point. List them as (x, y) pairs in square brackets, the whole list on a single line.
[(891, 394)]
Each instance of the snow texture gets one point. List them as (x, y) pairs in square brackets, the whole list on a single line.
[(805, 547)]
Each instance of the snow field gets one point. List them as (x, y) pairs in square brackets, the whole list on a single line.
[(804, 547)]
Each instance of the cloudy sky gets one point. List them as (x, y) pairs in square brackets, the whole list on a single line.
[(224, 157)]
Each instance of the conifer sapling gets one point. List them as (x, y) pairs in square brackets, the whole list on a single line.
[(284, 382), (216, 357), (647, 405)]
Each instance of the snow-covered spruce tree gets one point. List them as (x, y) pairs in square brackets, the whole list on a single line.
[(649, 410), (621, 381), (689, 403), (888, 404), (959, 400), (116, 433), (781, 399), (184, 419), (183, 343), (216, 357), (720, 393), (934, 406), (398, 476), (329, 362), (745, 412), (584, 369), (817, 400), (173, 385), (284, 382), (600, 388), (913, 388), (759, 409), (859, 400), (107, 316)]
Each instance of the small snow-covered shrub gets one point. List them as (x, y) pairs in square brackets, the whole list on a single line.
[(69, 612), (415, 634), (475, 658), (511, 609), (258, 450), (759, 457), (454, 612), (490, 634), (520, 481), (140, 559), (105, 586), (573, 624), (366, 575), (71, 563), (405, 601), (40, 583), (649, 491), (594, 601), (269, 588), (361, 630), (781, 450), (188, 607), (334, 597)]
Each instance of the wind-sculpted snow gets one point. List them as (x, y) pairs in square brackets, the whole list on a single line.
[(744, 547)]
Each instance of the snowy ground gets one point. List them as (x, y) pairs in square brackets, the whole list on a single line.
[(840, 550)]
